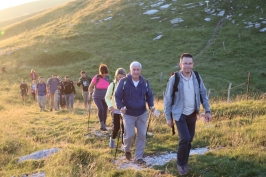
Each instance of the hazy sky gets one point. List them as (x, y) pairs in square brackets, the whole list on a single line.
[(9, 3)]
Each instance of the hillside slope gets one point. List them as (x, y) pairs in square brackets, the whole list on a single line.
[(224, 37)]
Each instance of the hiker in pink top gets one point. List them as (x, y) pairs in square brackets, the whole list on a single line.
[(100, 83)]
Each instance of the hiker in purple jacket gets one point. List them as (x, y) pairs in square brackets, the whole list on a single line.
[(131, 96)]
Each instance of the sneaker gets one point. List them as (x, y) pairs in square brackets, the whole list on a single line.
[(128, 155), (181, 170), (139, 161), (122, 148), (103, 129), (112, 143)]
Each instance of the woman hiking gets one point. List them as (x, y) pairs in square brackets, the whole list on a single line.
[(100, 83), (110, 100)]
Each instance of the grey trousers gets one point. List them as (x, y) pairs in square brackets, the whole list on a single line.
[(85, 95), (42, 101), (56, 101), (130, 122), (69, 100)]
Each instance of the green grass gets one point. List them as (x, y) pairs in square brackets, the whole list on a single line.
[(235, 136), (74, 42)]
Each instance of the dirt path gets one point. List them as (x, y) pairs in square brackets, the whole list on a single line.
[(214, 36)]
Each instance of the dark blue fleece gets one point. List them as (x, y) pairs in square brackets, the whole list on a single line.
[(134, 98)]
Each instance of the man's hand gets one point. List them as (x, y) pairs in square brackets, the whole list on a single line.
[(152, 108), (208, 117), (74, 95), (123, 110), (169, 123)]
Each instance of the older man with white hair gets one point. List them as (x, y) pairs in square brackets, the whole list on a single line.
[(131, 96)]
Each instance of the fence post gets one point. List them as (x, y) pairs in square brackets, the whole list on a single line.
[(247, 94), (161, 76), (229, 88), (223, 45)]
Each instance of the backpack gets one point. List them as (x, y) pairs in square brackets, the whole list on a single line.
[(98, 78), (175, 88)]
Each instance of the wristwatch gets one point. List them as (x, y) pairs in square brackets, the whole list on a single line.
[(207, 112)]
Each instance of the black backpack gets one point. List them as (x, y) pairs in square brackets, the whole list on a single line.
[(175, 88)]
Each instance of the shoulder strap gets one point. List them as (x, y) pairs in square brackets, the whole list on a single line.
[(198, 79), (175, 88), (125, 81), (113, 90), (98, 78)]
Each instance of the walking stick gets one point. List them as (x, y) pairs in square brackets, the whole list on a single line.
[(149, 121), (173, 125), (89, 115), (118, 139)]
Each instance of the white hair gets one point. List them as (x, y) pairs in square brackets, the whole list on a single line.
[(135, 63)]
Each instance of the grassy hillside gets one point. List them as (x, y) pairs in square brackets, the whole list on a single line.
[(7, 15), (234, 137), (77, 36)]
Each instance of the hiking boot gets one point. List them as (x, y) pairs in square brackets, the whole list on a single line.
[(128, 155), (181, 170), (188, 168), (140, 161), (102, 126), (112, 143)]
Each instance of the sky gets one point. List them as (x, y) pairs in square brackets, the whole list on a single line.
[(10, 3)]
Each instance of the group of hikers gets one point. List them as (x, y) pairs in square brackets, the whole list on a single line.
[(126, 98)]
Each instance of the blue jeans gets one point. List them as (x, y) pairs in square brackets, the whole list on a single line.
[(102, 109), (186, 130), (69, 98)]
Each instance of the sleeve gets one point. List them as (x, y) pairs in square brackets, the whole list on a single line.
[(73, 88), (168, 98), (149, 95), (48, 82), (108, 95), (204, 96), (119, 94), (94, 79), (79, 82)]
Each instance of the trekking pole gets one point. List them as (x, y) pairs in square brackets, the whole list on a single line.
[(173, 125), (149, 121), (89, 115), (117, 139)]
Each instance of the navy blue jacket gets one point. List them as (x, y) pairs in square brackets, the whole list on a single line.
[(134, 98)]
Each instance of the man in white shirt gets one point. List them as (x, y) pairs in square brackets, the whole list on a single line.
[(191, 91)]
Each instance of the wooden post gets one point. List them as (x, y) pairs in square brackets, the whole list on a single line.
[(223, 45), (247, 94), (161, 76), (229, 88)]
